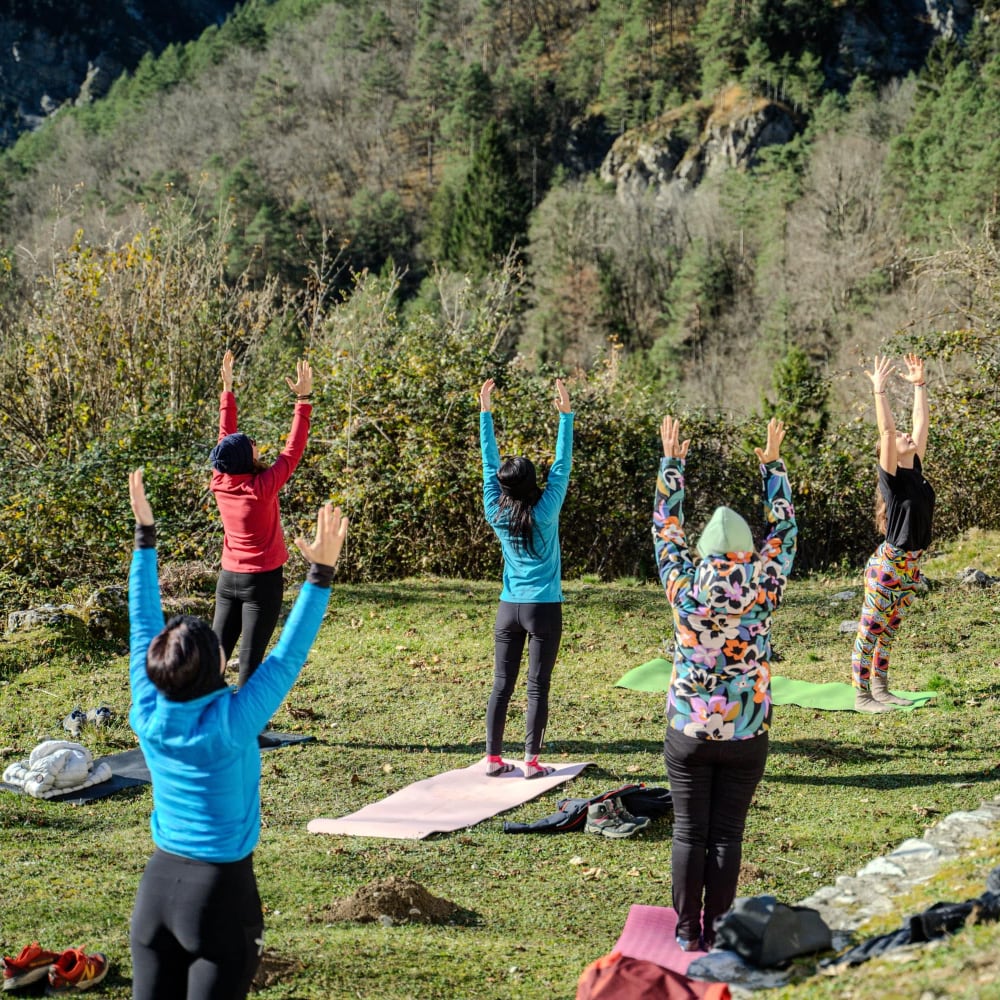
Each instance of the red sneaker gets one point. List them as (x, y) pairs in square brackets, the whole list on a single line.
[(30, 966), (76, 970)]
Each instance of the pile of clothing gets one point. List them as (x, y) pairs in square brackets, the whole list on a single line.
[(56, 767)]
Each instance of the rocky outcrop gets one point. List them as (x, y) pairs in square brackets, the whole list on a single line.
[(71, 52), (672, 154)]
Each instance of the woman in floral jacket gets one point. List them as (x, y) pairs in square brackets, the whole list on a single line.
[(719, 700)]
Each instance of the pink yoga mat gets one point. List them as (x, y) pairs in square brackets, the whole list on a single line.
[(448, 801), (649, 933)]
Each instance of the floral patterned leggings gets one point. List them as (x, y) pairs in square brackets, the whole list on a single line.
[(891, 579)]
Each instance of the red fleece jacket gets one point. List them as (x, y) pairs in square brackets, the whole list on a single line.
[(254, 540)]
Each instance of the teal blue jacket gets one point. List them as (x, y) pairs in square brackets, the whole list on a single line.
[(527, 578), (203, 754)]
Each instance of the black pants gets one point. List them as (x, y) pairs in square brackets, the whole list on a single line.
[(197, 930), (712, 783), (541, 626), (248, 604)]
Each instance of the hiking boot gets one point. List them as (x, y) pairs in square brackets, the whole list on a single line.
[(881, 692), (76, 970), (639, 822), (75, 721), (864, 702), (606, 819), (99, 716), (30, 966)]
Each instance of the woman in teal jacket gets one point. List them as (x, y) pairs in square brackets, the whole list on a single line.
[(525, 519), (197, 924)]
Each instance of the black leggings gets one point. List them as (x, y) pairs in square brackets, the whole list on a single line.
[(541, 625), (197, 930), (248, 604), (712, 783)]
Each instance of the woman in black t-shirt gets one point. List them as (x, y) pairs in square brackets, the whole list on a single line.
[(903, 511)]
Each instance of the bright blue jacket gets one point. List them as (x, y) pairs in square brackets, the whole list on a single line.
[(527, 578), (203, 754)]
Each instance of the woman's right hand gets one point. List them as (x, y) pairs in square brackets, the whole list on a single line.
[(562, 397), (485, 394), (331, 530), (670, 433), (775, 435), (882, 370), (303, 384), (227, 371)]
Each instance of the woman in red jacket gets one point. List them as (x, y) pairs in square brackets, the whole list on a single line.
[(251, 584)]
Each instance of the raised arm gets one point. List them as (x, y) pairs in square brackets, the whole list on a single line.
[(488, 448), (557, 481), (881, 371), (145, 608), (921, 410), (673, 562), (227, 401), (778, 551), (272, 479)]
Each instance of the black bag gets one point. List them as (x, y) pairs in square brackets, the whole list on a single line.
[(767, 933)]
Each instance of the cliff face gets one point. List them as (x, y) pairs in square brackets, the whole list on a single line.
[(54, 52)]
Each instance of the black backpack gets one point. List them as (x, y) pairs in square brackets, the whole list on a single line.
[(767, 933)]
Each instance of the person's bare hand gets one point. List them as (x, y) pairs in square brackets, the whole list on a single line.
[(670, 433), (331, 530), (227, 371), (562, 397), (775, 435), (303, 384), (914, 369), (137, 497), (881, 371), (486, 395)]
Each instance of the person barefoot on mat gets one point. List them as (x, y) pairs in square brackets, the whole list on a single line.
[(197, 926), (904, 509), (525, 519), (719, 698)]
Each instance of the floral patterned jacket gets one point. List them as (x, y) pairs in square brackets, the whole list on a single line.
[(720, 687)]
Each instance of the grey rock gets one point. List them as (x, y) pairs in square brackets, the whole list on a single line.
[(843, 595), (848, 626), (972, 577)]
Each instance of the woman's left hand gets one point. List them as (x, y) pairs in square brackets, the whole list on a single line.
[(670, 434), (914, 369), (137, 496)]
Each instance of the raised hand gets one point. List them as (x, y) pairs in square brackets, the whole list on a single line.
[(137, 497), (882, 370), (670, 433), (775, 435), (486, 394), (331, 530), (914, 369), (227, 371), (562, 397), (303, 384)]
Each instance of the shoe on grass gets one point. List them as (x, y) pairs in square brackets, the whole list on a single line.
[(74, 970), (30, 966), (605, 819), (99, 716), (75, 721), (639, 822)]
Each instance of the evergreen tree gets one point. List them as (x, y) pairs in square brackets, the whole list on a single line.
[(491, 209)]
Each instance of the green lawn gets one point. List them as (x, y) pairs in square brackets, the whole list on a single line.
[(396, 690)]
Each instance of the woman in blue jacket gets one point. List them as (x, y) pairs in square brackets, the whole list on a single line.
[(197, 926), (719, 699), (525, 519)]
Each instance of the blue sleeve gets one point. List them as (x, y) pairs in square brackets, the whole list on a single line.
[(778, 550), (145, 623), (673, 561), (260, 696), (491, 465), (548, 507)]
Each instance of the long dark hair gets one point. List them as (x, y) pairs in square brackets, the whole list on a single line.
[(519, 492), (881, 521), (184, 660)]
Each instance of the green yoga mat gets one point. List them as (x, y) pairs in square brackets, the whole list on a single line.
[(654, 675)]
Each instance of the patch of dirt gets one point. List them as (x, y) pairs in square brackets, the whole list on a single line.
[(274, 969), (400, 899)]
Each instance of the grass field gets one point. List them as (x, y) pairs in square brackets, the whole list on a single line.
[(395, 691)]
